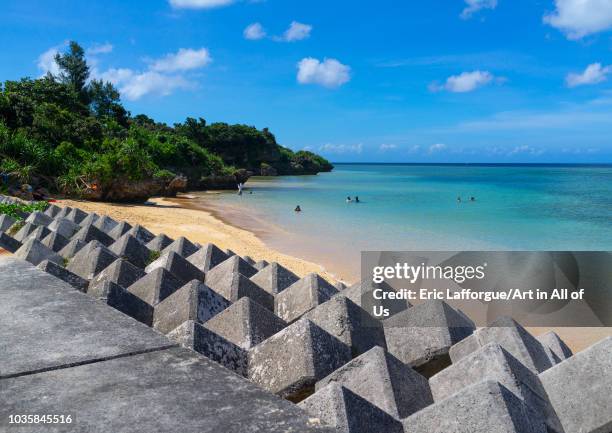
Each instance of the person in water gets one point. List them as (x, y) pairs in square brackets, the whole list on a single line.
[(458, 199), (349, 199), (357, 199), (298, 208), (472, 198)]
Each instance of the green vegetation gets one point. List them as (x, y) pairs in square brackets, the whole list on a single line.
[(12, 231), (15, 210), (70, 134), (153, 255)]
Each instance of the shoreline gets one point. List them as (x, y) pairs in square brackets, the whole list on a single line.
[(175, 217), (205, 224)]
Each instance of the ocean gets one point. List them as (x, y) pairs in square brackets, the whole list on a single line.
[(416, 207)]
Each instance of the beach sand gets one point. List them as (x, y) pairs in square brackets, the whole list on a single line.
[(179, 217)]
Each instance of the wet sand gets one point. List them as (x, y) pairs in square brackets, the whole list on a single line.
[(209, 221)]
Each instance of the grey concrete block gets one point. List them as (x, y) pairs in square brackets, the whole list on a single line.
[(178, 266), (245, 323), (260, 265), (76, 215), (384, 381), (232, 265), (91, 233), (515, 339), (106, 224), (39, 234), (55, 241), (58, 326), (349, 323), (63, 213), (142, 234), (249, 260), (556, 345), (493, 363), (52, 210), (302, 296), (194, 301), (174, 390), (579, 389), (347, 412), (24, 232), (8, 243), (421, 336), (207, 257), (339, 285), (119, 230), (120, 272), (464, 348), (274, 278), (64, 274), (159, 242), (39, 219), (361, 294), (291, 362), (91, 260), (156, 286), (64, 227), (71, 250), (35, 252), (6, 222), (486, 407), (132, 250), (117, 297), (236, 286), (182, 246), (90, 219), (216, 348)]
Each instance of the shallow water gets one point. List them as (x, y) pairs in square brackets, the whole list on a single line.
[(415, 207)]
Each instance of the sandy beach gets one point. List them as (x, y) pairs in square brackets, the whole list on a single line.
[(178, 217)]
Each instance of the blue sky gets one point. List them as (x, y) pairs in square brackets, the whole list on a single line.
[(388, 81)]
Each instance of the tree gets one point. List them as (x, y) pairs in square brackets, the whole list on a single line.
[(105, 101), (74, 69)]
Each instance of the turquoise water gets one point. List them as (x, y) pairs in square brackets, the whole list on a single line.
[(414, 207)]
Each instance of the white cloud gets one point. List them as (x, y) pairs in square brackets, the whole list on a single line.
[(387, 147), (593, 74), (474, 6), (199, 4), (135, 85), (579, 18), (185, 59), (464, 82), (100, 49), (329, 73), (46, 61), (254, 32), (438, 147), (163, 76), (296, 32), (341, 148)]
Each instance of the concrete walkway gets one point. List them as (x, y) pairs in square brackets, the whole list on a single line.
[(64, 353)]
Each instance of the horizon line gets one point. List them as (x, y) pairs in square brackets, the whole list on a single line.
[(480, 163)]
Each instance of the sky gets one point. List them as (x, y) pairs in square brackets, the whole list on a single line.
[(386, 81)]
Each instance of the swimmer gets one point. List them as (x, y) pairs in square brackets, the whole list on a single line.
[(298, 208)]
